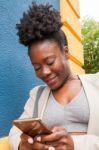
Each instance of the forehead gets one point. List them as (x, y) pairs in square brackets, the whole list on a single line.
[(44, 49)]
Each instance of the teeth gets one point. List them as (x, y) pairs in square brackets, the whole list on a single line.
[(51, 78)]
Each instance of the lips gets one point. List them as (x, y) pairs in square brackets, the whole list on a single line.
[(51, 80)]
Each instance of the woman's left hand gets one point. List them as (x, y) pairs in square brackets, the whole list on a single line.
[(59, 139)]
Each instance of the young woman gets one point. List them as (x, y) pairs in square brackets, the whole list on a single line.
[(69, 103)]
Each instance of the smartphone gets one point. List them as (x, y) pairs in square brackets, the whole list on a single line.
[(32, 126)]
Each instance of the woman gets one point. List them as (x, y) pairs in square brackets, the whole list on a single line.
[(69, 103)]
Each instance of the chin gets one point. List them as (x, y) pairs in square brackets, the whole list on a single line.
[(56, 87)]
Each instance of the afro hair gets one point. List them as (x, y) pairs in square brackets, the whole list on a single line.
[(38, 23)]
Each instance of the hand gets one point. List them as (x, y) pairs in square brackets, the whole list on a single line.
[(59, 139), (27, 143)]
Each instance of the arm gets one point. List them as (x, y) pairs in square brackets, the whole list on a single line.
[(15, 133), (86, 142)]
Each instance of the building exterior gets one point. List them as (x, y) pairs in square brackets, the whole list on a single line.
[(17, 76), (70, 13)]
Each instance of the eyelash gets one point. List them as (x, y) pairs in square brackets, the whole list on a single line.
[(51, 63), (36, 69)]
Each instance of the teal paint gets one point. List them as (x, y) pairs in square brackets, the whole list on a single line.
[(17, 76)]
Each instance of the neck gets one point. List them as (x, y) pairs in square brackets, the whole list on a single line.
[(71, 77)]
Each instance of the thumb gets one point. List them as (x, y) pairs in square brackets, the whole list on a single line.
[(30, 140), (26, 138)]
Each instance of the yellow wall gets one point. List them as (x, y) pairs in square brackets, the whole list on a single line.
[(70, 13), (4, 145)]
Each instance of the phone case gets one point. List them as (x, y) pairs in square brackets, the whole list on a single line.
[(32, 127)]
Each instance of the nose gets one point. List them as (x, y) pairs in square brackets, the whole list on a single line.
[(46, 71)]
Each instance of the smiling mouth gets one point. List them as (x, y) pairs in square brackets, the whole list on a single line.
[(51, 81)]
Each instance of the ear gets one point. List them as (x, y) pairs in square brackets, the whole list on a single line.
[(66, 52)]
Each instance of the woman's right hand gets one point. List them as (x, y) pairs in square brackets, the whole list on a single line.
[(27, 143)]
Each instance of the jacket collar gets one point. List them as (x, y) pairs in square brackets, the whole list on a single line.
[(43, 101), (91, 89)]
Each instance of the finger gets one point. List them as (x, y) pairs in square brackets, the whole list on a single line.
[(39, 146), (55, 129), (26, 142), (54, 136), (62, 141), (26, 139), (61, 147), (51, 148), (38, 138), (30, 140)]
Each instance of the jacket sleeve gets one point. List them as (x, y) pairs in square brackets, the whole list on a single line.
[(86, 142), (14, 134)]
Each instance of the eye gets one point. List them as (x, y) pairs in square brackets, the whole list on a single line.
[(50, 61), (37, 67)]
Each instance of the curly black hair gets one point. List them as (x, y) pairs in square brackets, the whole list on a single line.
[(40, 22)]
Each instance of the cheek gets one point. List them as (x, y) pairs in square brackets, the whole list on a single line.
[(38, 74), (63, 70), (61, 67)]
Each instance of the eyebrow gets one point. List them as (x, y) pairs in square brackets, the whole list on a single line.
[(52, 56)]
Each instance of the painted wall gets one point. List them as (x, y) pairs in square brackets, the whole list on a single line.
[(70, 13), (16, 72)]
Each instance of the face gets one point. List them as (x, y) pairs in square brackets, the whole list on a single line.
[(50, 63)]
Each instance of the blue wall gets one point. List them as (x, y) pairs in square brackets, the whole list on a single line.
[(16, 72)]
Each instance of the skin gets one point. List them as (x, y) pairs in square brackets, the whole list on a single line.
[(51, 65)]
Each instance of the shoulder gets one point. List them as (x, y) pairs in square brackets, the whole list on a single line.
[(90, 77), (33, 91), (29, 106)]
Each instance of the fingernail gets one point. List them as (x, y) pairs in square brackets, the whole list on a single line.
[(51, 148), (39, 138), (30, 141)]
